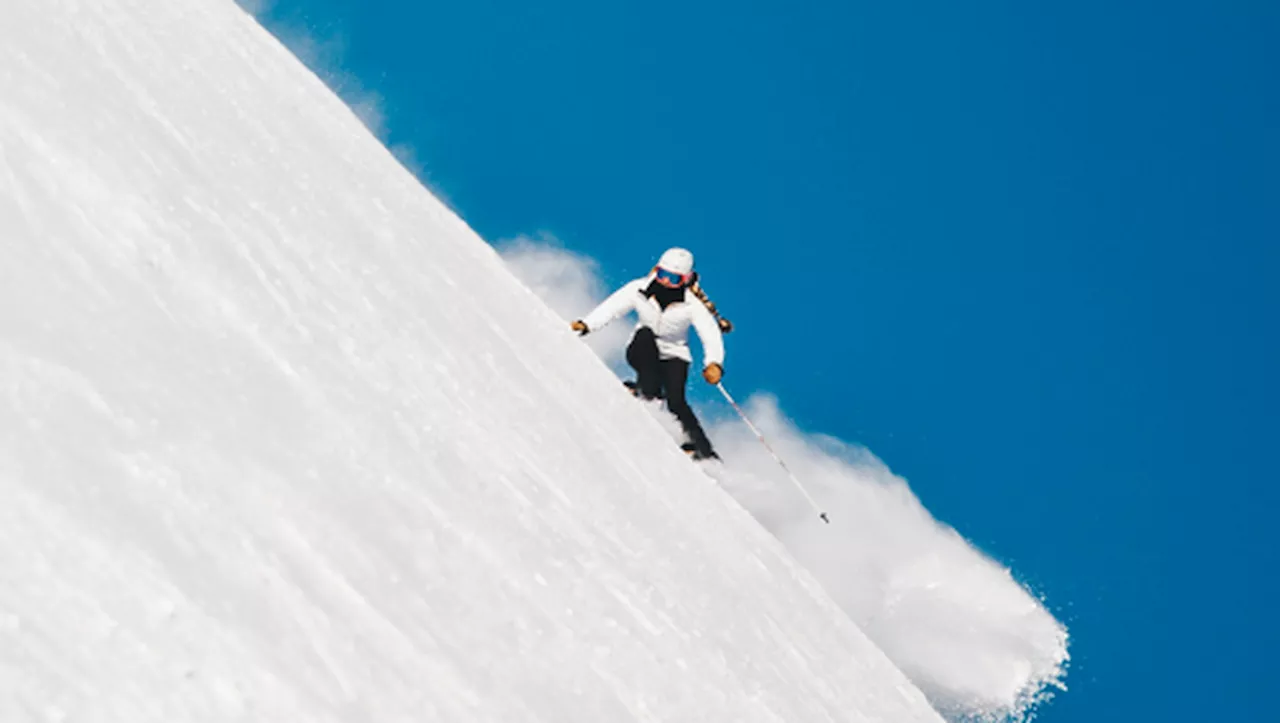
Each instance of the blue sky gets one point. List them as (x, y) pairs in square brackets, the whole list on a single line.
[(1028, 254)]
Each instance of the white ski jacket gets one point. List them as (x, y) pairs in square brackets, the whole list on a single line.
[(671, 326)]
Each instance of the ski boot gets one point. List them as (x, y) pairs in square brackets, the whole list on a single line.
[(635, 390), (691, 449)]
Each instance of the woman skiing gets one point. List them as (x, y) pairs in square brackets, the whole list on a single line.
[(667, 302)]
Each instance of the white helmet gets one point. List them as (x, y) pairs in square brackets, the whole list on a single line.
[(677, 260)]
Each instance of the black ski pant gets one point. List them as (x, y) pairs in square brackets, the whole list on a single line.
[(656, 377)]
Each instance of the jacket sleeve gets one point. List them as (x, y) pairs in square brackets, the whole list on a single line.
[(619, 303), (709, 332)]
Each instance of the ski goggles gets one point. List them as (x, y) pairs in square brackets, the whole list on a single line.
[(670, 279)]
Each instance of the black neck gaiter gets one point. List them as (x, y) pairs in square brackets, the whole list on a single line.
[(663, 295)]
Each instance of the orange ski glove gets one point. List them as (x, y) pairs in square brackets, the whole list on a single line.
[(713, 373)]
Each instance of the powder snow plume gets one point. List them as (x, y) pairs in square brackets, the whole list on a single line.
[(981, 646), (957, 622)]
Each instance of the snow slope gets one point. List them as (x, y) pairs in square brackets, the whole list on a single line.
[(282, 440)]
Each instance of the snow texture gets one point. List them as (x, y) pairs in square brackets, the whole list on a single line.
[(282, 440), (967, 633)]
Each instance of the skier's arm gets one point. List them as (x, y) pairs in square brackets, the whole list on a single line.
[(709, 332), (619, 303)]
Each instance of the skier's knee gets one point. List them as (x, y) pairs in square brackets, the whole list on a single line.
[(643, 350), (643, 344)]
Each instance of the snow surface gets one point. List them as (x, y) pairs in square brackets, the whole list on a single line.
[(282, 440), (979, 645)]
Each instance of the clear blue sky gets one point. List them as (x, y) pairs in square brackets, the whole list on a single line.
[(1027, 253)]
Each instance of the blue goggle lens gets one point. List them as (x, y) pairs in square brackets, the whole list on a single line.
[(670, 278)]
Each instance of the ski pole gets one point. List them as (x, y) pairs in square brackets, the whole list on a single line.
[(821, 514)]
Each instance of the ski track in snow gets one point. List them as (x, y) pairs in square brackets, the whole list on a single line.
[(281, 439)]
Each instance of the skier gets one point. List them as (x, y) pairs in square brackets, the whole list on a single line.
[(667, 302)]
